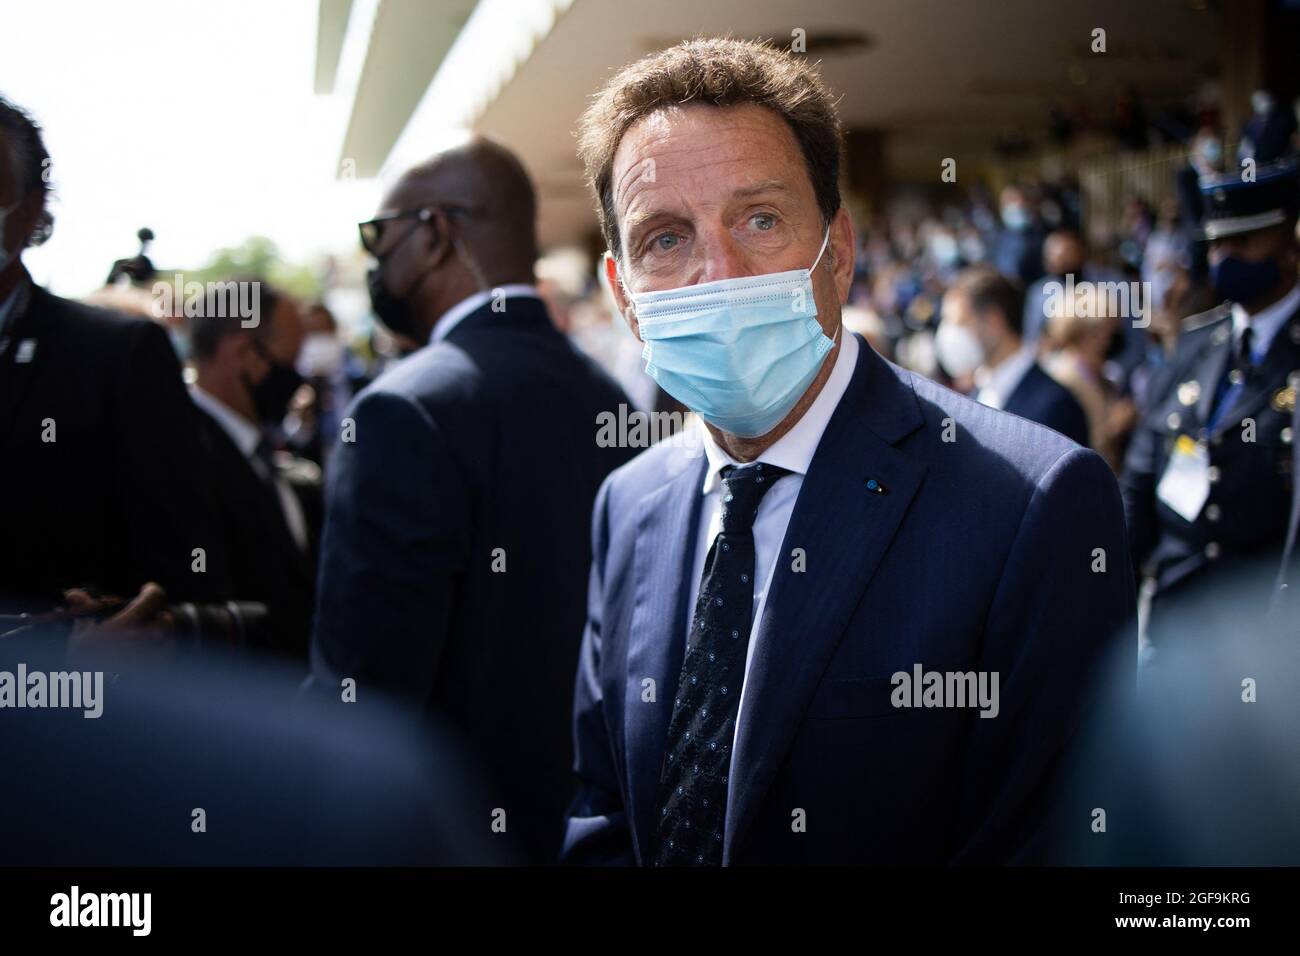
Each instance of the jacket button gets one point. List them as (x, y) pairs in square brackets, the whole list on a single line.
[(1212, 550), (1174, 420), (1212, 512), (1213, 474)]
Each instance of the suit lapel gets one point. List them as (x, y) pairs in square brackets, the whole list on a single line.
[(667, 526), (24, 342), (1209, 372), (844, 529), (1282, 357)]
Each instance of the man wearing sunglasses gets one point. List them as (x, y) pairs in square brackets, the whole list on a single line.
[(453, 567)]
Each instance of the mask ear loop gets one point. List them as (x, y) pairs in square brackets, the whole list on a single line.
[(825, 241), (631, 299)]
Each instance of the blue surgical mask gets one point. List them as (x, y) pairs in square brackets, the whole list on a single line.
[(738, 352), (1015, 218)]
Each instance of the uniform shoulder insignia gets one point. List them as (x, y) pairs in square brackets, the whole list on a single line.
[(1203, 320)]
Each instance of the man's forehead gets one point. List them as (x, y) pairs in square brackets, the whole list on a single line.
[(404, 194), (1254, 237), (730, 147)]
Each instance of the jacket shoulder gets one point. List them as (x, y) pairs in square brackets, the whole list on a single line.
[(1204, 320), (1199, 332), (438, 376), (86, 319), (976, 444), (654, 467)]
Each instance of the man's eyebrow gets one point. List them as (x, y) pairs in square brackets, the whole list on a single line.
[(640, 220), (766, 186)]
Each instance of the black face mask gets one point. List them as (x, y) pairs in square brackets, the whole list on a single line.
[(1115, 347), (393, 310), (272, 394)]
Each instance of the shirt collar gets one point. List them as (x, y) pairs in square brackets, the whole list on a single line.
[(794, 450), (996, 385), (457, 313), (242, 432), (1265, 323)]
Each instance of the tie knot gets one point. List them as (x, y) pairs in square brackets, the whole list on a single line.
[(742, 490)]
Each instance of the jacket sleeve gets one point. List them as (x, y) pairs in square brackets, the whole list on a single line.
[(1063, 610), (596, 827), (1138, 484), (161, 486), (397, 533)]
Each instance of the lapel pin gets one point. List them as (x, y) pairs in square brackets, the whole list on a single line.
[(877, 487), (26, 352)]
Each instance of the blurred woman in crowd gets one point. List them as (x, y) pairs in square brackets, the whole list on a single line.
[(1080, 337)]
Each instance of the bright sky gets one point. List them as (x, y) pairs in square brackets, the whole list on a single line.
[(193, 117)]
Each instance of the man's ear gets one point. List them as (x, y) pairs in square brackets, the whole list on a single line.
[(240, 350), (844, 248), (620, 294), (22, 222), (437, 237)]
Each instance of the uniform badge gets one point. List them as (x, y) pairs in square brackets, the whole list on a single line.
[(1284, 400), (1189, 392)]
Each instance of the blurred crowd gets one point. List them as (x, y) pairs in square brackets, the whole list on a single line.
[(994, 293)]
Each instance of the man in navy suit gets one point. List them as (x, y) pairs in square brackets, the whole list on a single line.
[(980, 335), (458, 507), (862, 634)]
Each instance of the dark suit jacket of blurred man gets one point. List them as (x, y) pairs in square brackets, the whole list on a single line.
[(99, 474), (977, 553), (1042, 399), (455, 549), (267, 562)]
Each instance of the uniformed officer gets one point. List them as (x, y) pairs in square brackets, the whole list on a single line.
[(1209, 477)]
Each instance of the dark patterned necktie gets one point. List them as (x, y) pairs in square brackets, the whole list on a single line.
[(693, 782)]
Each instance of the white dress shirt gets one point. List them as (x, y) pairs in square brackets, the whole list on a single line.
[(457, 313), (793, 451), (1265, 324), (994, 386), (246, 437)]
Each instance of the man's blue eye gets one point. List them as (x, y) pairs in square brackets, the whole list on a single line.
[(659, 241), (764, 222)]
